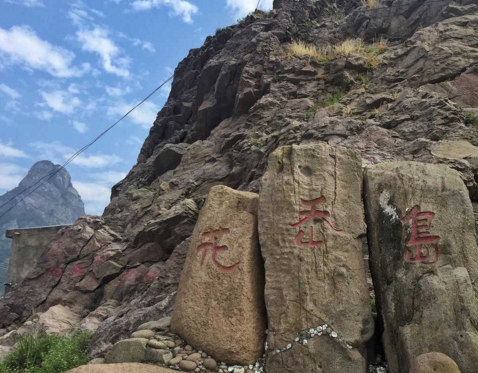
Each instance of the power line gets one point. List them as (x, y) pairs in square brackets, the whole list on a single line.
[(258, 3), (75, 155)]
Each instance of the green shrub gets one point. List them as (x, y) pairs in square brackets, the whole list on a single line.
[(470, 119), (47, 354), (373, 304), (334, 99)]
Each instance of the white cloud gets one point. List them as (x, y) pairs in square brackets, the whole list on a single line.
[(134, 140), (97, 40), (181, 8), (80, 126), (146, 45), (96, 161), (117, 91), (10, 92), (20, 45), (60, 101), (95, 195), (43, 115), (53, 151), (144, 115), (8, 151), (10, 175), (59, 153), (241, 8), (109, 177), (27, 3), (5, 119)]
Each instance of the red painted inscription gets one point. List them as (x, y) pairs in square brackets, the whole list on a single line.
[(312, 215), (212, 238), (421, 240)]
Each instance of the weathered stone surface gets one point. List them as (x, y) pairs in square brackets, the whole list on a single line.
[(127, 351), (220, 297), (310, 223), (57, 320), (155, 355), (143, 334), (434, 362), (424, 262), (162, 324), (120, 368)]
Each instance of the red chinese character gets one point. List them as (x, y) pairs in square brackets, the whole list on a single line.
[(78, 271), (313, 214), (150, 276), (55, 272), (130, 277), (420, 238), (101, 259), (212, 239)]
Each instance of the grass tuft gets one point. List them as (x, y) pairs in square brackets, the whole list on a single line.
[(47, 354), (368, 4)]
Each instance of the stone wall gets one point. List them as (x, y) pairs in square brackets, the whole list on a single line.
[(27, 246)]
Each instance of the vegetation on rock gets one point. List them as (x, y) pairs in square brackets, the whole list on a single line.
[(47, 354)]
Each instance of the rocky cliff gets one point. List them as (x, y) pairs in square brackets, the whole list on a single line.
[(55, 203), (395, 82)]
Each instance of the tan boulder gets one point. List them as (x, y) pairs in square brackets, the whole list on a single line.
[(434, 362), (219, 307), (120, 368), (127, 351), (424, 262), (311, 221)]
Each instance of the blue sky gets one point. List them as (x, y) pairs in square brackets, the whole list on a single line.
[(69, 69)]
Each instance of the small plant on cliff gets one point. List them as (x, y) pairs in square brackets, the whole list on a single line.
[(300, 49), (334, 99), (370, 4), (47, 354), (470, 119)]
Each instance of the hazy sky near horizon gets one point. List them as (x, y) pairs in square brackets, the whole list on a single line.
[(69, 69)]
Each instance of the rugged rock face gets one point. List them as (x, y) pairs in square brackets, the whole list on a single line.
[(220, 307), (424, 262), (55, 203), (233, 102), (311, 221)]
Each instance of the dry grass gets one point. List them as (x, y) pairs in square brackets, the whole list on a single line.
[(299, 48), (350, 46), (370, 4), (346, 48)]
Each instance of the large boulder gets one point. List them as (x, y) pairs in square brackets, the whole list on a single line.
[(311, 221), (424, 262), (220, 302), (434, 362), (120, 368)]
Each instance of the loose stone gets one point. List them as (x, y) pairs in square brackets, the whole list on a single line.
[(156, 344), (187, 366), (210, 364), (143, 334), (175, 361), (194, 357)]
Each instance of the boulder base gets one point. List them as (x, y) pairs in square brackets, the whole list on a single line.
[(120, 368), (219, 307), (434, 362), (311, 221)]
